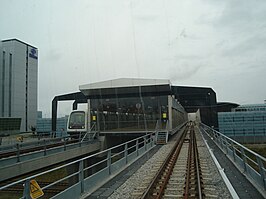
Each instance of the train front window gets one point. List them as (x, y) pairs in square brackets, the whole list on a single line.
[(77, 120)]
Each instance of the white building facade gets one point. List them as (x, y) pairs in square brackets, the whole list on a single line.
[(19, 82)]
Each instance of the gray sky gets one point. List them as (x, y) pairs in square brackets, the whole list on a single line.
[(219, 44)]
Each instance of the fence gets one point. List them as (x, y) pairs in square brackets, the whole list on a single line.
[(42, 148), (88, 173), (250, 162)]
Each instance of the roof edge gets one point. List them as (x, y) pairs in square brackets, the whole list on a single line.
[(124, 82), (14, 39)]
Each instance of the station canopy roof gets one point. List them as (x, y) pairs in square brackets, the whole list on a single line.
[(126, 87)]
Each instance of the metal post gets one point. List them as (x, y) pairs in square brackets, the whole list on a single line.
[(216, 136), (126, 152), (109, 163), (97, 124), (150, 140), (234, 151), (213, 132), (166, 137), (226, 146), (89, 116), (153, 139), (244, 158), (26, 191), (44, 149), (18, 153), (64, 144), (261, 169), (79, 139), (138, 118), (145, 145), (81, 175), (221, 142), (137, 147), (224, 143)]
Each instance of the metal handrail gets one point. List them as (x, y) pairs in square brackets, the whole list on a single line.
[(236, 143), (45, 148), (167, 126), (88, 132), (120, 149), (257, 173), (29, 144)]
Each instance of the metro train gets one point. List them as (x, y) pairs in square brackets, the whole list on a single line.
[(77, 122)]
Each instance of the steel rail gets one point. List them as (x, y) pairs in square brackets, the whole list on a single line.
[(189, 160), (193, 166), (172, 157), (197, 164)]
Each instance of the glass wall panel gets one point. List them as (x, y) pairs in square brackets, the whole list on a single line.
[(9, 125), (178, 114), (129, 114)]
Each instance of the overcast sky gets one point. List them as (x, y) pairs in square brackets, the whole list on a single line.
[(215, 43)]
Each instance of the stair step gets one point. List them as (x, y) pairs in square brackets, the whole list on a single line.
[(162, 137)]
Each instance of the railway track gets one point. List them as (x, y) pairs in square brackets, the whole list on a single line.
[(49, 192), (185, 173), (15, 152)]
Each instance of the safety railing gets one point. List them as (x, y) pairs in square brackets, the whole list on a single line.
[(91, 134), (20, 152), (251, 163), (161, 133), (84, 175), (28, 144)]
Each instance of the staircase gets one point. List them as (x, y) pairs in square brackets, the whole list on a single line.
[(90, 136), (162, 137)]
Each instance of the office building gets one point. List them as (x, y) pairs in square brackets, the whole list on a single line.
[(44, 126), (246, 123), (18, 83)]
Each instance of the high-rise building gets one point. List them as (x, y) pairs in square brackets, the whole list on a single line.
[(18, 82)]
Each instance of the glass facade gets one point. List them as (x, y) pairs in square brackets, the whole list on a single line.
[(44, 125), (179, 115), (134, 113), (244, 121), (9, 126)]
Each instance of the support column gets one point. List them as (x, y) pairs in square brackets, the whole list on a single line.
[(54, 113), (89, 116), (170, 116)]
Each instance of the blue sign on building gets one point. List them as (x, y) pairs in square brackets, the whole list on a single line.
[(33, 53)]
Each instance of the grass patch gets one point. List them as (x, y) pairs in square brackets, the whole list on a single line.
[(257, 148), (53, 176)]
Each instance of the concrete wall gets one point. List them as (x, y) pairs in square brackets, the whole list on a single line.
[(45, 161), (194, 116)]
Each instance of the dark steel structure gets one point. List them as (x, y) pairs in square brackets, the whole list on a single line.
[(202, 98), (226, 106), (191, 98), (79, 97)]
